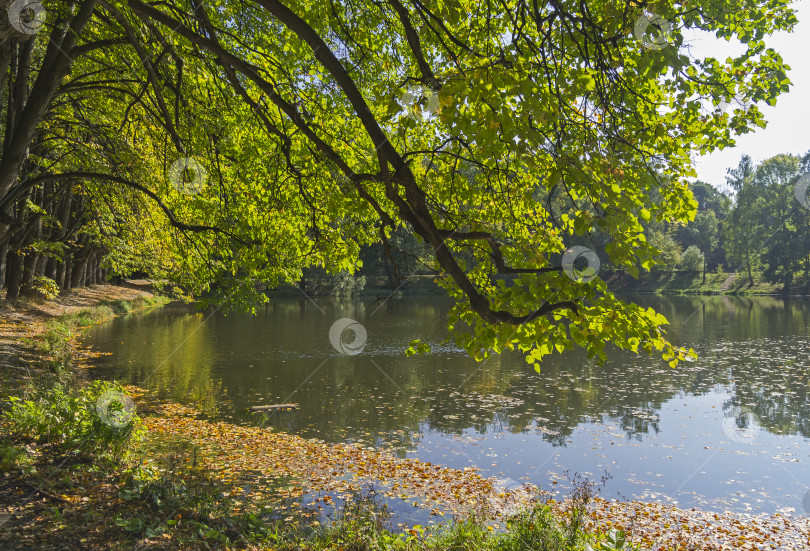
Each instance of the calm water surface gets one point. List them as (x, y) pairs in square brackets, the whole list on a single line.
[(730, 431)]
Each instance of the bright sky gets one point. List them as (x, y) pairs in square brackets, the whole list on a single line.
[(788, 129)]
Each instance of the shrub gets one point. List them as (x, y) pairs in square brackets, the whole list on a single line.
[(11, 456), (44, 287), (70, 420), (670, 251), (692, 259)]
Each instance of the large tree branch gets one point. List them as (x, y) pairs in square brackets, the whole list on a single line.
[(416, 46), (413, 208), (495, 252), (150, 74)]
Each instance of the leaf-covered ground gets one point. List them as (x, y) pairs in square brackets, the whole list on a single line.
[(318, 469)]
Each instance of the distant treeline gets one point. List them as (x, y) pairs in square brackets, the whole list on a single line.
[(761, 224)]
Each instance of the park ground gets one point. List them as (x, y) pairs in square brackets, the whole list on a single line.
[(174, 480), (736, 283)]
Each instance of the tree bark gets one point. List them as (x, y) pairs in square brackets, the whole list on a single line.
[(29, 265), (68, 276), (77, 277), (13, 275), (50, 267), (748, 266), (3, 254)]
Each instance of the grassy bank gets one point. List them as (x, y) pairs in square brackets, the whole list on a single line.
[(84, 466), (692, 283)]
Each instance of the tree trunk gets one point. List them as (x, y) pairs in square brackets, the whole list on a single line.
[(750, 275), (77, 277), (50, 267), (90, 271), (13, 275), (3, 253), (60, 272), (704, 268), (67, 275), (58, 62), (42, 262), (29, 266)]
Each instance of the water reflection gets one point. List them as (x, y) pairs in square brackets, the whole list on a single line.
[(633, 415)]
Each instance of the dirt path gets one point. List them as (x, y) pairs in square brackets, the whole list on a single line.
[(727, 283), (24, 319)]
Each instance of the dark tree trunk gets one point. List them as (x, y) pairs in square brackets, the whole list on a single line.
[(42, 262), (67, 272), (60, 272), (13, 275), (50, 267), (88, 271), (92, 276), (704, 268), (3, 253), (29, 266), (750, 275), (77, 277)]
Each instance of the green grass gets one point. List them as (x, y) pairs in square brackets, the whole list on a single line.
[(11, 456)]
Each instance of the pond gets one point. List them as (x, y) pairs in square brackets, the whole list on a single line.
[(726, 432)]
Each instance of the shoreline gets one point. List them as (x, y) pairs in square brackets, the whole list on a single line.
[(325, 467), (664, 283)]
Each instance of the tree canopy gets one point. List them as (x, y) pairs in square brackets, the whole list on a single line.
[(231, 142)]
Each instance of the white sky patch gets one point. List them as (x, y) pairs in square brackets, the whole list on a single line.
[(788, 121)]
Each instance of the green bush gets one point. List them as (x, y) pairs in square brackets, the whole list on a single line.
[(75, 421), (45, 287), (11, 456), (692, 259), (538, 529)]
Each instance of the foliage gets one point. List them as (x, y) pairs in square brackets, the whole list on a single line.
[(769, 227), (316, 281), (45, 287), (68, 419), (318, 128), (669, 250), (692, 259), (11, 456)]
